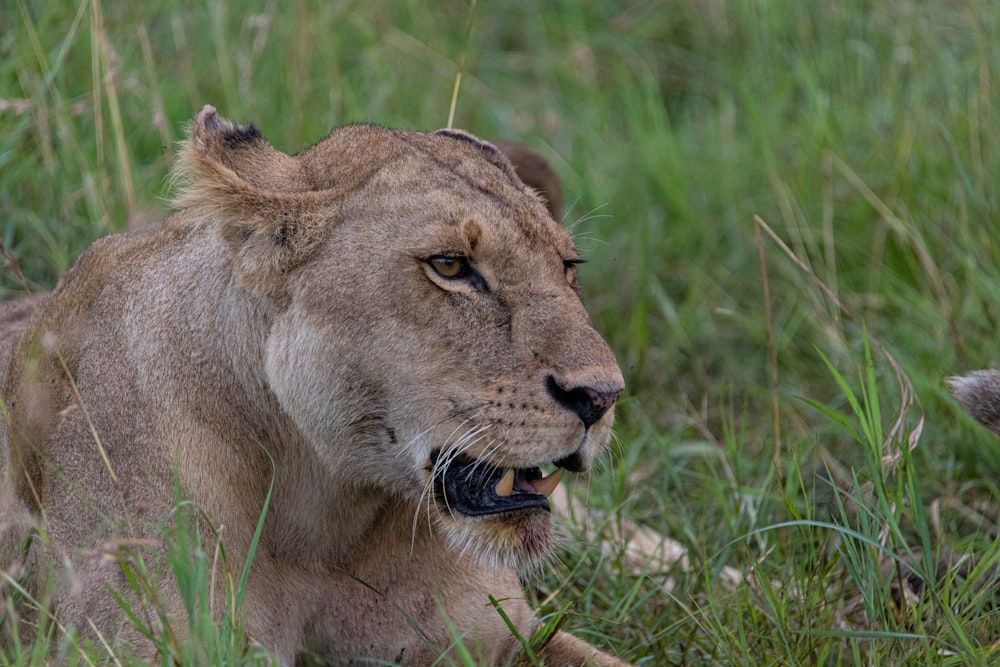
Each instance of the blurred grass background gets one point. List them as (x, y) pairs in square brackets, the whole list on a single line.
[(862, 133)]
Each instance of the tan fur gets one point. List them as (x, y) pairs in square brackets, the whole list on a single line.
[(537, 173), (287, 324)]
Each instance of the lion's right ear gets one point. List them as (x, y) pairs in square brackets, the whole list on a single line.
[(230, 176)]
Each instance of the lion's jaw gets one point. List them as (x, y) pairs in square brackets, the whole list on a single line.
[(470, 354), (487, 495)]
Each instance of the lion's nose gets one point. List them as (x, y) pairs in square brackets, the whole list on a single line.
[(588, 403)]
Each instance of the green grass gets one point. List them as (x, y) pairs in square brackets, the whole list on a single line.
[(756, 423)]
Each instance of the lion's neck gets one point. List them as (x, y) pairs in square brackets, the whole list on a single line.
[(319, 518)]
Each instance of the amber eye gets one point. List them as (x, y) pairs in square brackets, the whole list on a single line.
[(449, 267)]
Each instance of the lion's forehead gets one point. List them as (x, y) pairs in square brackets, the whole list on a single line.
[(371, 148), (413, 161), (452, 197)]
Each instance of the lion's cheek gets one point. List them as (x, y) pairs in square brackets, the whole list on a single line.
[(302, 370), (294, 377), (315, 379)]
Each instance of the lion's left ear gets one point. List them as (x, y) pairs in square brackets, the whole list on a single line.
[(232, 177)]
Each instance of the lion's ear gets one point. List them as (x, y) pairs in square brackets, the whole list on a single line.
[(230, 176), (535, 172)]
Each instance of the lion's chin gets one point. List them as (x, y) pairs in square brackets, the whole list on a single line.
[(523, 540), (500, 515)]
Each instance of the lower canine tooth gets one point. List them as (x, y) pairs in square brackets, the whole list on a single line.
[(547, 485), (506, 484)]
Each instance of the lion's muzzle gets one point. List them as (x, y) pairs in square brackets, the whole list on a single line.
[(588, 403), (473, 488)]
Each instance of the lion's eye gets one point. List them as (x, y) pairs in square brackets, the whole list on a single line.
[(458, 271), (450, 267)]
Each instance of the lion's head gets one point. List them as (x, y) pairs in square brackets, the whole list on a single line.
[(428, 340)]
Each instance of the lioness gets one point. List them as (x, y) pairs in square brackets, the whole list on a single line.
[(386, 329)]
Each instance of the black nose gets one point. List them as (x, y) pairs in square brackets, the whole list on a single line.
[(588, 403)]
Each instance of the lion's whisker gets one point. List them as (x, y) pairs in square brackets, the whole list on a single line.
[(448, 454), (484, 458)]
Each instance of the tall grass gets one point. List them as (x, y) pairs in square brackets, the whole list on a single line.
[(861, 133)]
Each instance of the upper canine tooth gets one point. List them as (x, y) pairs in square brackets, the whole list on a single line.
[(547, 485), (505, 486)]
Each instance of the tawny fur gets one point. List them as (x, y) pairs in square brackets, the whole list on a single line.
[(535, 171), (286, 326)]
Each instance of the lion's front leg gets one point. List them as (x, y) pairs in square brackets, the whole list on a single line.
[(565, 650)]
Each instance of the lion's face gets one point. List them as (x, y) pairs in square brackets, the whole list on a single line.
[(430, 339)]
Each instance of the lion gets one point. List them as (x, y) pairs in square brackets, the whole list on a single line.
[(378, 345)]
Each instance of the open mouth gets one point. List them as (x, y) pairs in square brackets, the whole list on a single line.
[(474, 488)]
